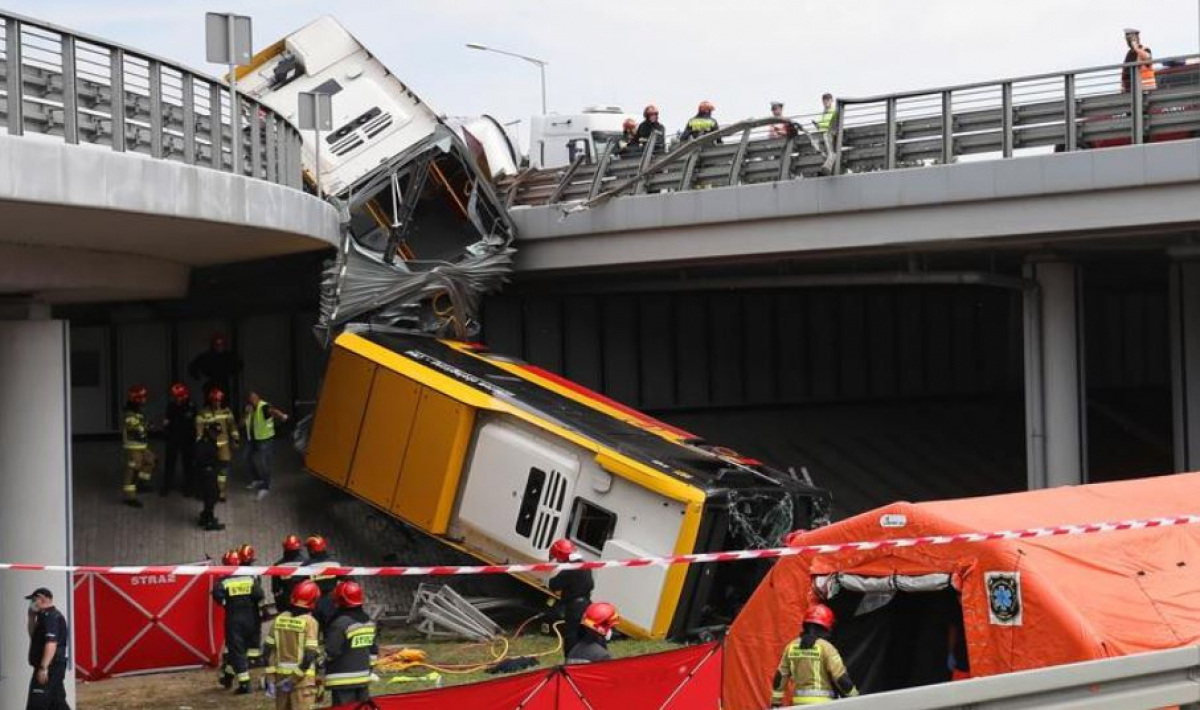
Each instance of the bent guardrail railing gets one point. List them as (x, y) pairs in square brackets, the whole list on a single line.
[(1062, 112), (84, 90)]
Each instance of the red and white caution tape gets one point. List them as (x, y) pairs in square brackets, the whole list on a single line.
[(547, 567)]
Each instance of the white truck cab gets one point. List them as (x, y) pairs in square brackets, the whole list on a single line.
[(557, 139)]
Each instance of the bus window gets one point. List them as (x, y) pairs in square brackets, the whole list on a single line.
[(591, 526)]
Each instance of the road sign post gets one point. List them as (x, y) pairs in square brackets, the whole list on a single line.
[(228, 41), (316, 114)]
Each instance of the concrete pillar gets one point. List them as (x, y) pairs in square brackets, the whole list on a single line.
[(1055, 398), (35, 485), (1185, 362)]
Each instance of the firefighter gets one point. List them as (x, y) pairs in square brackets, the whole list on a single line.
[(293, 650), (702, 122), (650, 126), (259, 421), (318, 555), (813, 665), (572, 590), (180, 425), (598, 623), (351, 647), (207, 465), (248, 555), (215, 411), (293, 556), (628, 144), (135, 439), (241, 596)]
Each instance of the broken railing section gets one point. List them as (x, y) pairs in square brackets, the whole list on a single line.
[(425, 239)]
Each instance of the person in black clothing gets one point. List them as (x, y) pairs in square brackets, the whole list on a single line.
[(318, 554), (180, 426), (650, 126), (281, 587), (242, 598), (598, 623), (49, 639), (217, 366), (207, 464), (572, 589), (351, 647)]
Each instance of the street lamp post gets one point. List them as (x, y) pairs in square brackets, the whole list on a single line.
[(541, 65)]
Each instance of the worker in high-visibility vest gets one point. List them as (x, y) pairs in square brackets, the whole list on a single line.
[(1139, 52), (702, 122), (828, 114), (812, 666), (241, 596), (259, 420), (215, 412), (135, 441), (293, 651), (351, 647)]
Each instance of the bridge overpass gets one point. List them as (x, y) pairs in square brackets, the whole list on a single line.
[(118, 176)]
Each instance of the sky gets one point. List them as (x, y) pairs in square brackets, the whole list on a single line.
[(673, 53)]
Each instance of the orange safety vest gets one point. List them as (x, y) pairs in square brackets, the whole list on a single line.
[(1149, 80)]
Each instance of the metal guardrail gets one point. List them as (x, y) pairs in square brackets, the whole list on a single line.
[(88, 91), (1140, 682), (1062, 112)]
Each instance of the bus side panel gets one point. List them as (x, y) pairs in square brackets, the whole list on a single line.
[(339, 416), (391, 412), (433, 465)]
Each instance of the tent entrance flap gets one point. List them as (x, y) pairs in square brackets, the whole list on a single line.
[(906, 641)]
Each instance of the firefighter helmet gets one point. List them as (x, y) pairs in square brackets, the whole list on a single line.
[(820, 615), (216, 396), (232, 559), (629, 124), (306, 594), (601, 617), (292, 543), (563, 550), (651, 109), (316, 544), (180, 392), (706, 107), (348, 594), (247, 554), (138, 394)]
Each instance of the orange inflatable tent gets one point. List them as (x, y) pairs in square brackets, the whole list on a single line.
[(1014, 605)]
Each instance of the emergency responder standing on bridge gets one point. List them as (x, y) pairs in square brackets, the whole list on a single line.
[(1138, 52), (215, 412), (180, 425), (242, 597), (351, 647), (702, 122), (260, 420), (649, 126), (135, 439), (572, 591), (293, 650), (812, 665), (293, 556), (598, 623)]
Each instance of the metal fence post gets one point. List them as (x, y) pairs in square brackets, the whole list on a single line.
[(889, 141), (188, 87), (947, 127), (117, 85), (154, 69), (216, 127), (1006, 119), (16, 88), (271, 150), (1138, 125), (70, 91), (839, 140), (1069, 113), (256, 142), (235, 131)]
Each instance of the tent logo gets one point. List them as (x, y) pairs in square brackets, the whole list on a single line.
[(1004, 598)]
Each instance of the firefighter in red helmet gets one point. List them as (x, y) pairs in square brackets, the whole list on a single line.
[(572, 590), (812, 665), (598, 623), (702, 122), (180, 427), (649, 126), (135, 441), (318, 556), (351, 648), (241, 596), (293, 649), (216, 411), (293, 556)]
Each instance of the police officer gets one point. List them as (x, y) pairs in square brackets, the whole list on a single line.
[(702, 122), (260, 430), (293, 650), (180, 426), (318, 555), (242, 598), (572, 591), (813, 665), (351, 647), (135, 440), (293, 556), (598, 623), (208, 466), (49, 641), (215, 412)]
